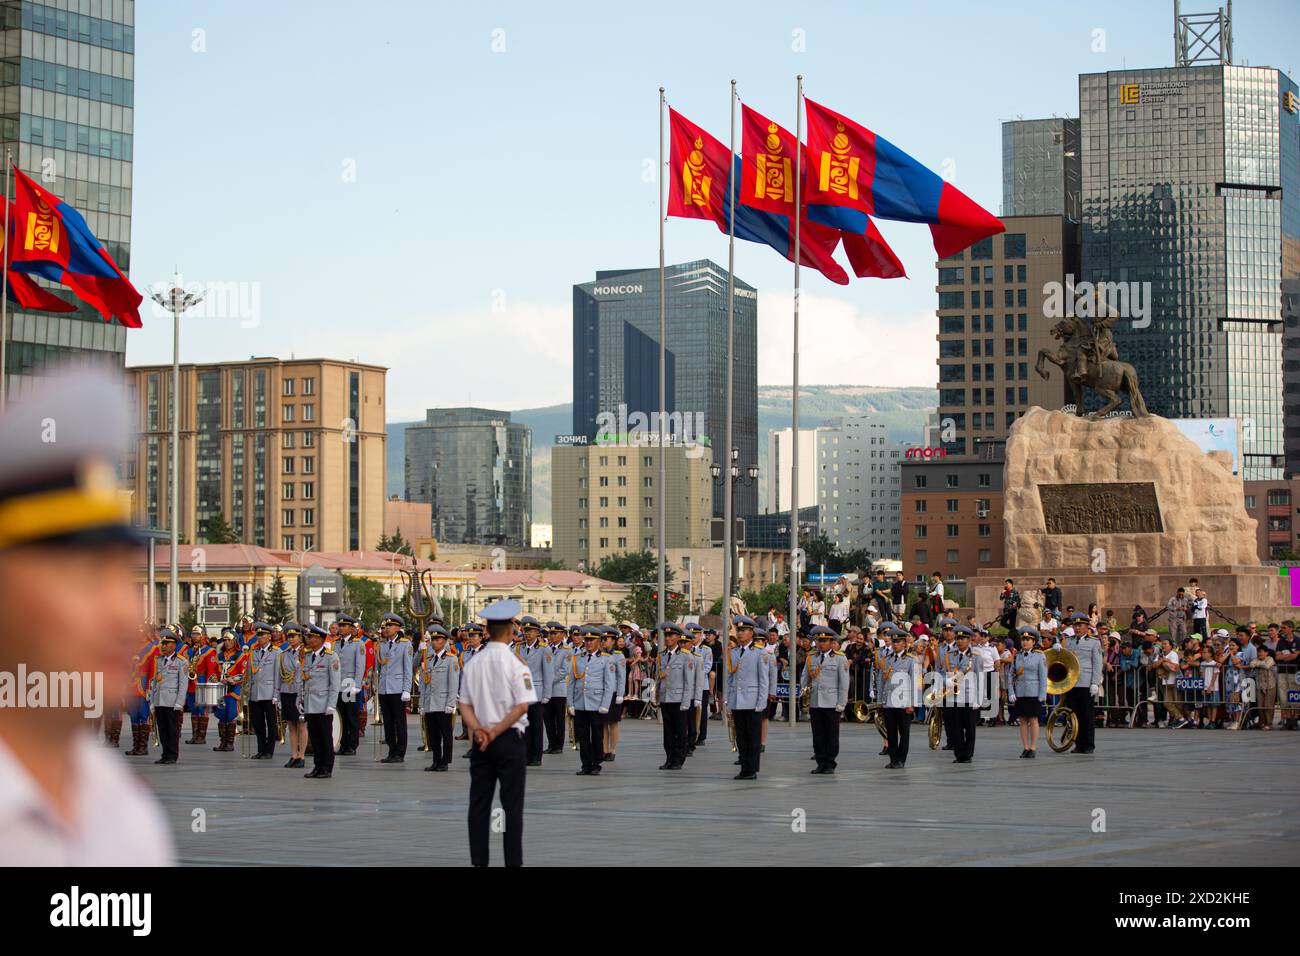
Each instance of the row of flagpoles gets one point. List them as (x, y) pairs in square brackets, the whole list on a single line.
[(805, 212), (45, 236)]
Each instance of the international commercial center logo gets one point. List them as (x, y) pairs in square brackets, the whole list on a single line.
[(1130, 94)]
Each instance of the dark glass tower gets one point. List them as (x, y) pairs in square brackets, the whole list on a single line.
[(616, 356), (1191, 182), (1040, 168), (474, 466), (68, 94)]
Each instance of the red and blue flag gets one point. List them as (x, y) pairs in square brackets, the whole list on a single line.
[(52, 240)]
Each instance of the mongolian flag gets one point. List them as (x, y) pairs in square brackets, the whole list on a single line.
[(52, 240), (23, 290), (852, 167)]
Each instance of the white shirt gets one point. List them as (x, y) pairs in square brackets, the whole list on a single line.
[(117, 821), (1171, 675), (494, 682), (988, 656)]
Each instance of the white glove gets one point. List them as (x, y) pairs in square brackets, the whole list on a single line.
[(329, 711), (180, 707), (546, 700), (1011, 697), (839, 710), (406, 696), (618, 700), (604, 710), (450, 710), (572, 712), (1094, 690)]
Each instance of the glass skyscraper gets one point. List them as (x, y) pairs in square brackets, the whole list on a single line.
[(616, 357), (474, 466), (1191, 183), (68, 97), (1040, 168)]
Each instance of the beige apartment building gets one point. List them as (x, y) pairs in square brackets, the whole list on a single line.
[(604, 500), (290, 452)]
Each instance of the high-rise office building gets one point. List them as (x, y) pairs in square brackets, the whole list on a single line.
[(778, 478), (474, 466), (857, 474), (68, 88), (1040, 168), (992, 323), (1191, 192), (604, 501), (616, 359), (1291, 375), (289, 453)]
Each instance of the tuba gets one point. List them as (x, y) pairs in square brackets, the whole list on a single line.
[(1062, 671)]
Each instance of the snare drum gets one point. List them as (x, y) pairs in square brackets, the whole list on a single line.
[(209, 695)]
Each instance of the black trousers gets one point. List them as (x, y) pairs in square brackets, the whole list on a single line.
[(589, 728), (503, 763), (826, 735), (961, 730), (350, 716), (394, 712), (320, 731), (556, 712), (674, 733), (438, 727), (262, 715), (1079, 700), (898, 730), (702, 734), (169, 731), (533, 733), (749, 737)]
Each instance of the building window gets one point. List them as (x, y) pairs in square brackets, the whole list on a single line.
[(953, 556), (286, 543), (985, 531), (286, 491), (954, 531), (309, 466), (288, 386), (951, 480), (984, 479), (309, 516), (922, 556), (286, 517), (953, 504), (920, 481), (309, 413), (286, 413), (309, 490), (985, 555), (1013, 245), (309, 386), (1279, 497), (921, 530), (287, 466), (919, 505)]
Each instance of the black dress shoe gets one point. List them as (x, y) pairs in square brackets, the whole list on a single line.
[(314, 773), (962, 760), (290, 762), (946, 747), (893, 765), (817, 770), (1024, 754), (534, 763), (666, 765), (1031, 754), (431, 768), (324, 775), (300, 763), (584, 772), (736, 763), (164, 760), (441, 768), (745, 776), (609, 757), (762, 748), (595, 771), (884, 752), (700, 743)]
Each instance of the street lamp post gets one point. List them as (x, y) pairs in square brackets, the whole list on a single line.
[(749, 476), (176, 300)]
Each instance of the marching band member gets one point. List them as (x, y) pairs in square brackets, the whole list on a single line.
[(232, 663), (351, 652), (939, 657), (262, 661), (138, 704), (393, 684), (203, 665), (748, 678), (900, 683), (496, 691), (591, 692), (613, 720), (826, 673), (1080, 697), (288, 688), (320, 692), (677, 669), (704, 650), (691, 708), (473, 636), (561, 664), (1028, 691), (773, 678), (439, 691), (369, 642), (964, 702), (535, 653), (167, 695)]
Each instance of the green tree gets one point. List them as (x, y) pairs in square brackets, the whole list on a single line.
[(775, 595), (278, 606), (395, 545), (629, 567), (259, 605), (366, 599), (216, 530), (549, 565), (819, 550), (642, 606), (189, 617)]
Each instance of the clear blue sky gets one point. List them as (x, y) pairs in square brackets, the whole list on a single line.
[(487, 183)]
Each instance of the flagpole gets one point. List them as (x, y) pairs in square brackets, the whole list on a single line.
[(4, 291), (663, 391), (728, 499), (793, 699)]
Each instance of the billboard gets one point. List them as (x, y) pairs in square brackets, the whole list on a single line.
[(1214, 434)]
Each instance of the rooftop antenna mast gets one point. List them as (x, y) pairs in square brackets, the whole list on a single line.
[(1202, 38)]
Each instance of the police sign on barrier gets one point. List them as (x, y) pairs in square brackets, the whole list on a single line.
[(1189, 683), (1293, 697)]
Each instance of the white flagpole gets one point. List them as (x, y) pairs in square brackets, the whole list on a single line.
[(728, 499), (4, 290), (663, 386), (793, 620)]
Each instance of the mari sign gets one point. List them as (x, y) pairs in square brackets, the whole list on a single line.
[(1104, 508)]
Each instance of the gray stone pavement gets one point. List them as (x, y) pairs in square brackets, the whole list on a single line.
[(1169, 798)]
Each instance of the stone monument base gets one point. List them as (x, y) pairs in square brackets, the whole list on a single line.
[(1241, 592)]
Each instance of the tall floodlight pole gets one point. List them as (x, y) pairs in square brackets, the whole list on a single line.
[(792, 703), (176, 300), (728, 499)]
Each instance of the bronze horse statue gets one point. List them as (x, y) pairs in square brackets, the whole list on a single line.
[(1088, 358)]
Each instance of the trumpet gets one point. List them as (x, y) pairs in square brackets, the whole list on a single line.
[(731, 729)]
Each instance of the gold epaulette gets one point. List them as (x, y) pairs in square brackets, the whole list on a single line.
[(327, 649)]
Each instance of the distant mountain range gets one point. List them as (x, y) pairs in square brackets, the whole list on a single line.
[(902, 410)]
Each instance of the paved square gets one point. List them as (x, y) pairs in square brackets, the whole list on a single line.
[(1169, 798)]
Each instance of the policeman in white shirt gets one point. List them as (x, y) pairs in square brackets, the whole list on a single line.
[(496, 689), (67, 572)]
